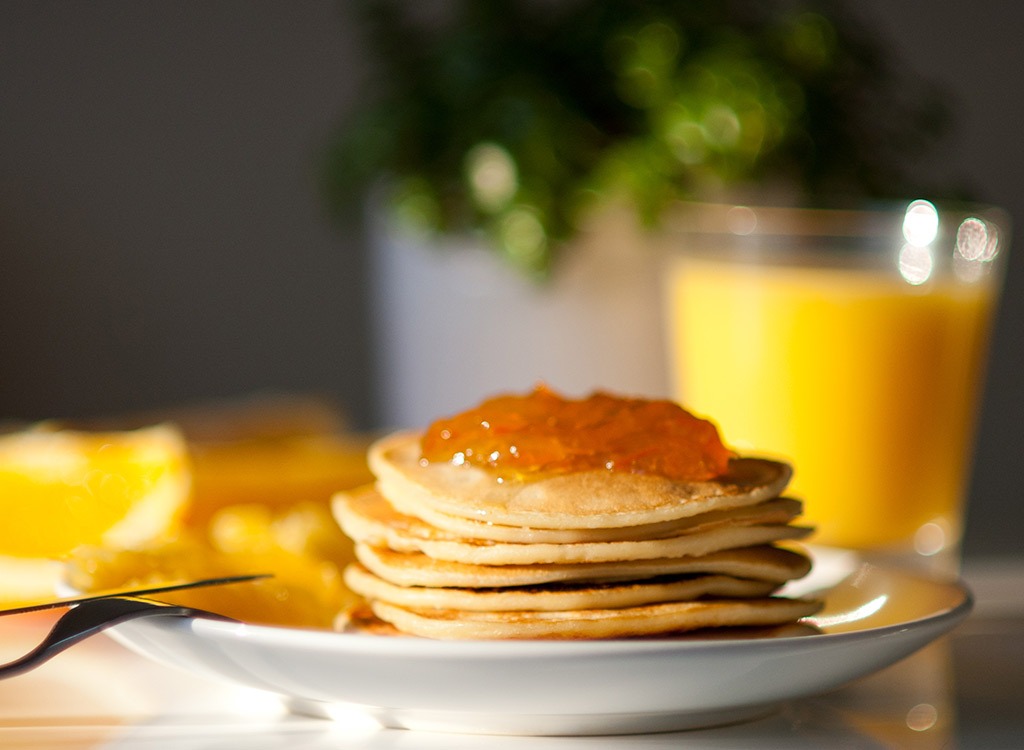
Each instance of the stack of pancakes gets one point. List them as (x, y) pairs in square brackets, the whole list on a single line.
[(449, 551)]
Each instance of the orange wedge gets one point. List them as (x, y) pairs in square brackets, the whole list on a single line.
[(258, 502), (301, 546), (60, 489)]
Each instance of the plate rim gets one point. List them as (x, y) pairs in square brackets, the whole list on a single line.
[(275, 658), (385, 645)]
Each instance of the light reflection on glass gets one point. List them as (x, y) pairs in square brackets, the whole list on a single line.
[(920, 223), (968, 271), (930, 539), (976, 240), (742, 220), (922, 717), (916, 263)]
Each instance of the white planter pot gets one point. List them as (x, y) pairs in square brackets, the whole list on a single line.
[(455, 324)]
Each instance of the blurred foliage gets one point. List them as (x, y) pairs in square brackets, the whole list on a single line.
[(512, 117)]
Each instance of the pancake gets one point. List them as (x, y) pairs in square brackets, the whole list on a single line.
[(779, 510), (461, 552), (555, 597), (762, 563), (367, 515), (646, 620), (400, 537), (360, 619), (581, 500)]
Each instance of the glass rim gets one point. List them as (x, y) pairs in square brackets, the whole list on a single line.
[(920, 240), (877, 220)]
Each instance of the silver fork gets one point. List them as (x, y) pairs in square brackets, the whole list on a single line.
[(95, 613)]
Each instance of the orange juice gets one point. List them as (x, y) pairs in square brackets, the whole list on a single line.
[(866, 383)]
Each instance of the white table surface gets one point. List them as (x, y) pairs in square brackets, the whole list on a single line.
[(965, 691)]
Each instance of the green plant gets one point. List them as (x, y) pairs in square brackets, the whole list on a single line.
[(515, 117)]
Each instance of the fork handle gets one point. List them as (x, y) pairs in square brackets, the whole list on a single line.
[(89, 618)]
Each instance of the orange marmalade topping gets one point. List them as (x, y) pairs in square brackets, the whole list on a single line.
[(542, 433)]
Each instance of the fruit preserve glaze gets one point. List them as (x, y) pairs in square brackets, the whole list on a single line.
[(543, 434)]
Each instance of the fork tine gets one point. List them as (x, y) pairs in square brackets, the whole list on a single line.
[(122, 592)]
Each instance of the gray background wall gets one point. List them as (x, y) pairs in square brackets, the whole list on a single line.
[(162, 239)]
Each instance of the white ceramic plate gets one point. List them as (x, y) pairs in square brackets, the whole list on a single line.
[(874, 616)]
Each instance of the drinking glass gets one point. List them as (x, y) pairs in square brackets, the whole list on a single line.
[(851, 344)]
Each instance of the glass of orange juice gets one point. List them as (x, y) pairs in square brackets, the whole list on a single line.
[(852, 344)]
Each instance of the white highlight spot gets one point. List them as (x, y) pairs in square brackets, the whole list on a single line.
[(915, 263), (922, 717), (977, 240), (921, 223), (741, 220), (930, 539)]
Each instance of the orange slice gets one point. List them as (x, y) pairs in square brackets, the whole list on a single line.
[(303, 549), (60, 489)]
